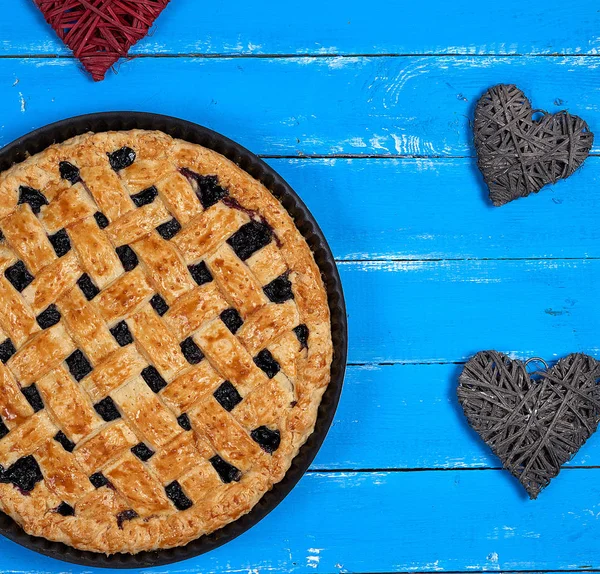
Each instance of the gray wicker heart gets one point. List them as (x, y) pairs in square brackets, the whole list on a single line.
[(533, 423), (518, 154)]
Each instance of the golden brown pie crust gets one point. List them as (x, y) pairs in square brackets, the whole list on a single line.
[(133, 511)]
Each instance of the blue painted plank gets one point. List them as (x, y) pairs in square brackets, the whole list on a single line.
[(443, 311), (303, 106), (399, 522), (438, 209), (342, 27), (406, 417)]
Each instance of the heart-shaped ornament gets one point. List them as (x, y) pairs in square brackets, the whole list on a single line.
[(533, 423), (100, 31), (519, 154)]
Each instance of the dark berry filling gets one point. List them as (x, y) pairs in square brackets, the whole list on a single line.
[(65, 509), (143, 452), (177, 496), (121, 158), (200, 273), (265, 361), (7, 350), (78, 365), (122, 334), (249, 238), (159, 304), (128, 257), (227, 472), (169, 229), (33, 197), (206, 187), (145, 197), (191, 351), (184, 422), (24, 474), (61, 437), (107, 409), (48, 317), (87, 286), (61, 242), (232, 319), (227, 396), (33, 397), (301, 331), (153, 379), (4, 430), (18, 275), (279, 290), (124, 516), (98, 480), (69, 172), (101, 219), (1, 235), (269, 440)]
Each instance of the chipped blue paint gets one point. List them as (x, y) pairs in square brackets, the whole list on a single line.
[(432, 272)]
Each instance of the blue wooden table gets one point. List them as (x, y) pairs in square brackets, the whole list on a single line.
[(365, 109)]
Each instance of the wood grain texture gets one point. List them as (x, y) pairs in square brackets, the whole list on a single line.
[(437, 208), (341, 27), (407, 417), (445, 311), (432, 273), (304, 106), (405, 522)]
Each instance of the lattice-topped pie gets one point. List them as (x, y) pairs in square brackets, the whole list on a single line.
[(165, 342)]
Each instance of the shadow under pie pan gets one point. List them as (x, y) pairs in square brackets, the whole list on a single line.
[(39, 140)]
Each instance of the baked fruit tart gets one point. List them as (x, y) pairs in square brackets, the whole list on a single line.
[(165, 342)]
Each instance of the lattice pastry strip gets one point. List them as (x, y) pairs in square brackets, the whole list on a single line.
[(26, 438), (195, 308), (69, 404), (86, 325), (114, 371), (96, 253), (136, 224), (62, 473), (28, 238), (14, 408), (165, 266), (52, 282), (147, 413), (268, 324), (41, 354), (191, 386), (179, 197), (107, 190), (157, 342), (123, 296), (107, 444), (136, 484), (179, 456), (16, 318), (206, 232), (72, 205), (229, 357)]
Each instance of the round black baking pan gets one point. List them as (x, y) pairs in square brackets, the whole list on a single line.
[(40, 139)]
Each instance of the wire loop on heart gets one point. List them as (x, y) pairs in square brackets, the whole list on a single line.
[(537, 360)]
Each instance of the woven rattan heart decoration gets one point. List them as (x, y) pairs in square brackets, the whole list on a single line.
[(100, 31), (518, 154), (533, 423)]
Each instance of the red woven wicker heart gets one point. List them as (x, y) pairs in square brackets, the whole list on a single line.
[(100, 31)]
